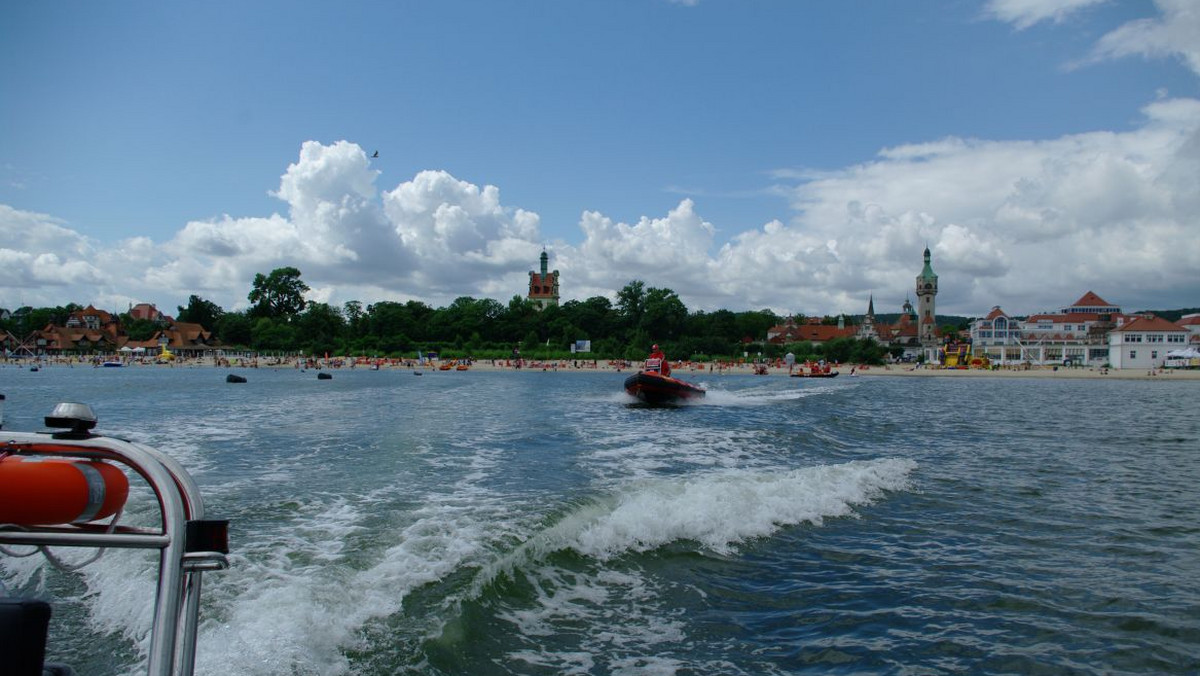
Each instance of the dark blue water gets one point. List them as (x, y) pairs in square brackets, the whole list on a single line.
[(536, 523)]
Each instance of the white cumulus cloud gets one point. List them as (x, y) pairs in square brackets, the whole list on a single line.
[(1026, 225)]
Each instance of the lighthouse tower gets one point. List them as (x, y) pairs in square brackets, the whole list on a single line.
[(927, 287), (543, 286)]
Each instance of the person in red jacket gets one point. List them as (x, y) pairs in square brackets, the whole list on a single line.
[(657, 362)]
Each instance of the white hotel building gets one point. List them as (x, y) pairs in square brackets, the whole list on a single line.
[(1144, 342), (1091, 332)]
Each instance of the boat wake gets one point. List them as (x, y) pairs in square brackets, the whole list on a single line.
[(765, 395), (717, 511), (584, 581)]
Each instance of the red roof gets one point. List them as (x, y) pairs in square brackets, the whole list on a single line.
[(1090, 299), (1151, 324), (816, 333)]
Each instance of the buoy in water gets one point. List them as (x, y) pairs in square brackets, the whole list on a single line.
[(234, 378), (324, 376), (48, 491)]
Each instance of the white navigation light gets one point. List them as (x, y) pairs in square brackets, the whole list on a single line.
[(73, 416)]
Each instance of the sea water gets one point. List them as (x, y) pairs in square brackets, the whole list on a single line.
[(541, 523)]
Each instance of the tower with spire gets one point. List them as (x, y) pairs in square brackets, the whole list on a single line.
[(543, 286), (927, 288), (867, 329)]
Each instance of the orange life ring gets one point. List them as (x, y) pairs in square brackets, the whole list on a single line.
[(47, 491)]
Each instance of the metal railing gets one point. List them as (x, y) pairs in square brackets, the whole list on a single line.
[(187, 544)]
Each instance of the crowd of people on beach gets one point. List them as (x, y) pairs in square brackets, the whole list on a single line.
[(777, 366)]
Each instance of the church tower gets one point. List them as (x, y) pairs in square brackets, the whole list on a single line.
[(543, 287), (867, 330), (927, 287)]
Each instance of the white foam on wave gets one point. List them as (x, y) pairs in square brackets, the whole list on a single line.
[(613, 621), (719, 510), (765, 395), (291, 602), (727, 507), (292, 618), (614, 618)]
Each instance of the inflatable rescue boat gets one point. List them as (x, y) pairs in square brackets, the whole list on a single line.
[(655, 388)]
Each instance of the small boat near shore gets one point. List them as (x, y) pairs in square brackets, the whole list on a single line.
[(811, 370), (653, 388)]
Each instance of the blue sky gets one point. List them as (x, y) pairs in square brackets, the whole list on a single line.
[(791, 155)]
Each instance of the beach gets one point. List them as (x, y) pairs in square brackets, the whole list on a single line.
[(679, 369)]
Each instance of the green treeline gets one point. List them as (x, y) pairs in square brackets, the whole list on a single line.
[(280, 320)]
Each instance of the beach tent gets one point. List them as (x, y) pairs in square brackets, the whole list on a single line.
[(1188, 357)]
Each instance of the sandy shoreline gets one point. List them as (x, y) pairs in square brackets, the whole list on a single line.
[(684, 370)]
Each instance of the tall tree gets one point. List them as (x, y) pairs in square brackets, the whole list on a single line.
[(137, 329), (754, 324), (199, 311), (631, 303), (518, 320), (352, 310), (279, 295), (320, 327), (234, 329), (664, 316), (594, 316)]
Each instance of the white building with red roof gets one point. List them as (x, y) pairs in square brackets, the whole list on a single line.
[(1143, 342), (995, 330), (1192, 324), (1075, 334)]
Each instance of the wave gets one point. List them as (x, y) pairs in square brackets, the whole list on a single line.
[(765, 395), (718, 510), (580, 596)]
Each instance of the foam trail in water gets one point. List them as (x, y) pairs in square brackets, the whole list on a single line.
[(579, 607), (722, 509), (763, 396), (291, 618), (718, 510)]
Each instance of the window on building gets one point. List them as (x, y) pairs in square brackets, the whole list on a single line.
[(1154, 354), (1133, 338), (1133, 354), (1154, 338)]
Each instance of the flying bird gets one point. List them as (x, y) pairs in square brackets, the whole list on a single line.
[(376, 154)]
